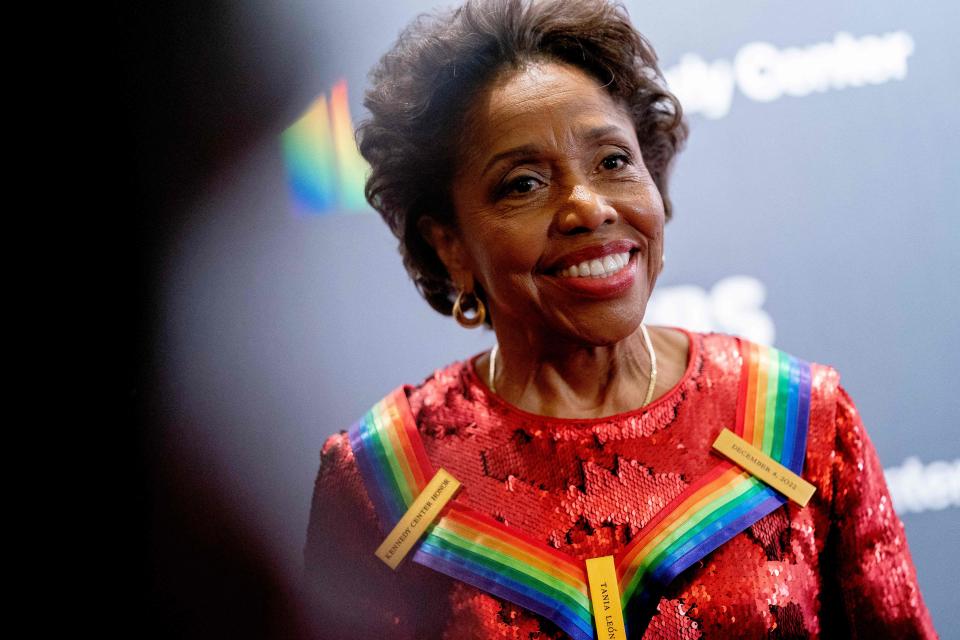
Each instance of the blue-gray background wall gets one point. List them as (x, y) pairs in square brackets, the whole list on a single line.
[(825, 222)]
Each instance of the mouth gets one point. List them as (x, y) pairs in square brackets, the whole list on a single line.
[(598, 272), (598, 267), (597, 261)]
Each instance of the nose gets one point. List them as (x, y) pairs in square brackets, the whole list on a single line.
[(584, 210)]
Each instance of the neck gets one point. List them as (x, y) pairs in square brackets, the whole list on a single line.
[(569, 379)]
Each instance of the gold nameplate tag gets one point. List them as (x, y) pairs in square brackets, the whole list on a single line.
[(605, 596), (424, 510), (764, 467)]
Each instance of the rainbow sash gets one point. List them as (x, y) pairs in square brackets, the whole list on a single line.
[(773, 409)]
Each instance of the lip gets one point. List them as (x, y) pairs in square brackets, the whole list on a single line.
[(590, 253), (598, 288)]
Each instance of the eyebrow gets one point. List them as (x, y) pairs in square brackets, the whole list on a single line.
[(531, 150), (524, 150), (598, 132)]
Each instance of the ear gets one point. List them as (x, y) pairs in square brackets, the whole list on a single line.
[(450, 249)]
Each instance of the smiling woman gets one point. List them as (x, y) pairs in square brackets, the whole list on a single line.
[(520, 152), (561, 225)]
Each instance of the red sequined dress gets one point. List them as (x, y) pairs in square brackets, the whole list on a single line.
[(838, 568)]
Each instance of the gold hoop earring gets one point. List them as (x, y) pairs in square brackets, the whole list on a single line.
[(479, 315)]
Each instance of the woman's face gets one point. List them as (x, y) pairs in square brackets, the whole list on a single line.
[(557, 217)]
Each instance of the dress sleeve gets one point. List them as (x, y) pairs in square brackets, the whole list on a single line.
[(872, 568), (350, 592)]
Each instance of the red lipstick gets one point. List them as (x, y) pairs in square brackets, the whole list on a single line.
[(598, 251), (595, 287)]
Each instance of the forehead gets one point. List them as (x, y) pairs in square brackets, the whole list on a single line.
[(544, 103)]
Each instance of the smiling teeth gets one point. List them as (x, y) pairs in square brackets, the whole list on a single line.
[(597, 268)]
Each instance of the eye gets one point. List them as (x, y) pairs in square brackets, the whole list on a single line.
[(520, 185), (525, 184), (615, 161)]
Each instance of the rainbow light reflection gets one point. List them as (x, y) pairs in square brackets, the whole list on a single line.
[(325, 170)]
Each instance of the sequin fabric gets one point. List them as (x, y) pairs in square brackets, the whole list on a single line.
[(838, 568)]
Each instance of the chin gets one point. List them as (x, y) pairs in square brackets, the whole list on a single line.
[(608, 326)]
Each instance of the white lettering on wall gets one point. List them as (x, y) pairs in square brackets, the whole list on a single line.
[(916, 487), (734, 305), (764, 72)]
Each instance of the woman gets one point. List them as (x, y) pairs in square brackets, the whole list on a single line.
[(520, 153)]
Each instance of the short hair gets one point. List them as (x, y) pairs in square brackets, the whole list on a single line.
[(423, 87)]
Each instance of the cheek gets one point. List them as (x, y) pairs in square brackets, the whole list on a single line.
[(506, 257), (645, 213), (648, 223)]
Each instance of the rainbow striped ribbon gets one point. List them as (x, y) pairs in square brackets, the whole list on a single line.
[(773, 407)]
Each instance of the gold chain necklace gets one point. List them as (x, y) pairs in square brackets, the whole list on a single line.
[(646, 342)]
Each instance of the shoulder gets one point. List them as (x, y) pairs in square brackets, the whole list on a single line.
[(449, 386), (446, 383), (338, 474), (743, 361), (339, 489), (343, 457), (336, 452), (738, 351)]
